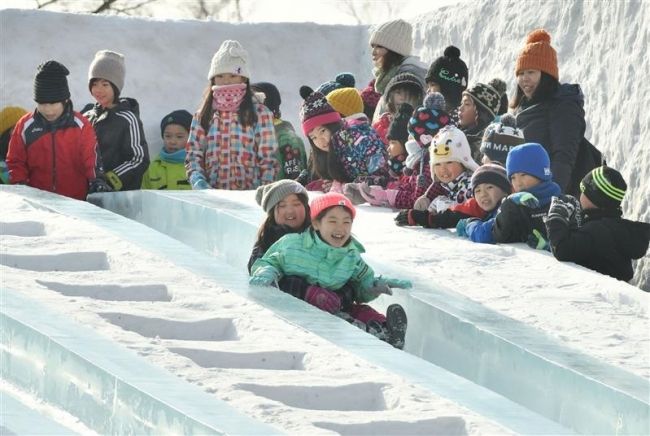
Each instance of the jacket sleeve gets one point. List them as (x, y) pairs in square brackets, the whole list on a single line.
[(480, 231), (267, 146), (269, 266), (569, 245), (446, 220), (90, 151), (195, 151), (362, 280), (567, 128), (17, 157), (511, 224), (134, 150)]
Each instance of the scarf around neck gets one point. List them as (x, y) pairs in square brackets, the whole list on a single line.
[(177, 156), (227, 98), (383, 77)]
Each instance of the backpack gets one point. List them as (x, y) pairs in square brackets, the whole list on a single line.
[(588, 158)]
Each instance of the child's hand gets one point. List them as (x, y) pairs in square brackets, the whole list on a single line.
[(537, 241), (323, 299), (260, 280), (461, 227), (563, 209), (524, 199), (380, 288), (395, 283)]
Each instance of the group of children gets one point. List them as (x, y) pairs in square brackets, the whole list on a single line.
[(411, 140)]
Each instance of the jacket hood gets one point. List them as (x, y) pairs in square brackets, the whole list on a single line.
[(130, 104), (634, 241), (570, 91)]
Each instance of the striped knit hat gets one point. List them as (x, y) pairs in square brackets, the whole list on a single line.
[(605, 187)]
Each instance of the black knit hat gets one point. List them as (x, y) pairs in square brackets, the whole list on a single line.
[(493, 174), (450, 72), (405, 80), (50, 83), (397, 130), (605, 187), (272, 98), (181, 117), (486, 96)]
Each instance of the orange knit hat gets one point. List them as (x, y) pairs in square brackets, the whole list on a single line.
[(538, 54)]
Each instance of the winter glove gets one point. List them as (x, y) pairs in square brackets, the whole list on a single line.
[(323, 299), (395, 283), (375, 195), (412, 217), (379, 288), (565, 209), (113, 180), (197, 180), (422, 203), (524, 199), (537, 241), (461, 226), (262, 279), (98, 185), (352, 191)]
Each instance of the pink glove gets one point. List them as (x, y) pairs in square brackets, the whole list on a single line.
[(323, 299), (378, 196)]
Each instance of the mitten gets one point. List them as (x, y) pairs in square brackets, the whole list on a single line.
[(98, 185), (375, 195), (524, 199), (422, 203), (351, 190), (197, 180), (402, 218), (323, 299), (113, 180), (537, 241)]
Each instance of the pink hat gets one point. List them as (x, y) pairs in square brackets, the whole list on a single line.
[(331, 199)]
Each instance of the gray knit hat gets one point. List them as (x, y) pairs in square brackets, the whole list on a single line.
[(394, 35), (108, 65), (269, 195)]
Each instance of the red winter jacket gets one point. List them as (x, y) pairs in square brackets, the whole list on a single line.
[(58, 157)]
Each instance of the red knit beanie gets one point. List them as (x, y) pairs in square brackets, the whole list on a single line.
[(331, 199)]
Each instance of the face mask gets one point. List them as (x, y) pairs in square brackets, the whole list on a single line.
[(228, 97)]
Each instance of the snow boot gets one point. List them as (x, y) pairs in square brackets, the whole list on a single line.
[(396, 323)]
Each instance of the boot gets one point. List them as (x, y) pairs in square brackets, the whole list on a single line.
[(396, 323)]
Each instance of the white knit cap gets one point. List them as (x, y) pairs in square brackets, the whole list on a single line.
[(450, 145), (108, 65), (230, 58), (394, 35)]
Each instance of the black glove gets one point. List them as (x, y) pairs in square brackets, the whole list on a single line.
[(412, 217), (562, 209), (98, 185)]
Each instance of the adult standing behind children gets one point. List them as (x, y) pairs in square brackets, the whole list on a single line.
[(549, 113), (167, 171), (291, 148), (232, 142), (392, 44), (122, 145), (54, 148)]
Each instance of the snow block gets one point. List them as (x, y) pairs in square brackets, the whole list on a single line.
[(110, 389), (497, 352)]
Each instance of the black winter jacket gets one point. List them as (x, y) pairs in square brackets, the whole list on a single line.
[(515, 223), (558, 124), (605, 242), (122, 145)]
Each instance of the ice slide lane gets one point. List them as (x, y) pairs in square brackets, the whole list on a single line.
[(427, 376), (501, 354)]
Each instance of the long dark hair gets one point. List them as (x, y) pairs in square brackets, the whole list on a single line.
[(247, 113), (391, 59), (268, 232), (326, 164), (546, 89)]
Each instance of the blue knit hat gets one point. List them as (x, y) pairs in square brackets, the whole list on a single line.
[(529, 158)]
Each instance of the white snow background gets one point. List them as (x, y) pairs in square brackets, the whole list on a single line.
[(601, 45)]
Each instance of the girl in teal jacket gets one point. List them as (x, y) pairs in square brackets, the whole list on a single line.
[(328, 257)]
